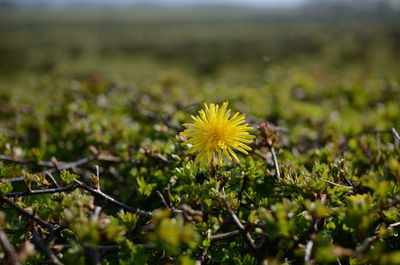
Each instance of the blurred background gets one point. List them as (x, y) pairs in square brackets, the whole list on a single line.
[(202, 50), (137, 39)]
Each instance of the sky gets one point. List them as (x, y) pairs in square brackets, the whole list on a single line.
[(235, 2), (241, 2), (254, 3)]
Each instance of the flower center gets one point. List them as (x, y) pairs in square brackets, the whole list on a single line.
[(217, 136)]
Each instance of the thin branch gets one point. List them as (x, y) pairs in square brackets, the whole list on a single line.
[(103, 248), (167, 192), (11, 256), (15, 179), (365, 244), (395, 224), (307, 257), (261, 251), (73, 186), (104, 196), (163, 201), (23, 212), (70, 165), (53, 234), (98, 193), (202, 257), (336, 184), (46, 191), (64, 166), (47, 251), (96, 181), (243, 187), (26, 162), (186, 208), (369, 240), (374, 132), (114, 173), (396, 135), (389, 131), (53, 180), (225, 236), (242, 229), (188, 213), (310, 236), (96, 213), (93, 253), (275, 161)]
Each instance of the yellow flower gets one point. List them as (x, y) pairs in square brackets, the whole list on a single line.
[(214, 132)]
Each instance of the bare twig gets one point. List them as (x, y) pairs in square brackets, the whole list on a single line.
[(397, 136), (93, 253), (242, 229), (310, 236), (15, 179), (98, 193), (64, 166), (395, 224), (213, 169), (114, 173), (74, 164), (307, 257), (47, 251), (167, 192), (365, 244), (71, 187), (275, 161), (53, 180), (53, 234), (11, 256), (96, 213), (374, 132), (225, 236), (26, 162), (369, 240), (103, 248), (202, 257), (96, 180), (163, 201), (243, 187), (104, 196), (23, 212), (261, 251), (336, 184), (188, 213), (389, 131)]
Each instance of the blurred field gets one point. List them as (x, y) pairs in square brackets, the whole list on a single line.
[(256, 58), (207, 42)]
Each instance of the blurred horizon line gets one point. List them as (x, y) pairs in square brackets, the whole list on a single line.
[(286, 4)]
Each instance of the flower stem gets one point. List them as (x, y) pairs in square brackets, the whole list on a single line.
[(213, 168)]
